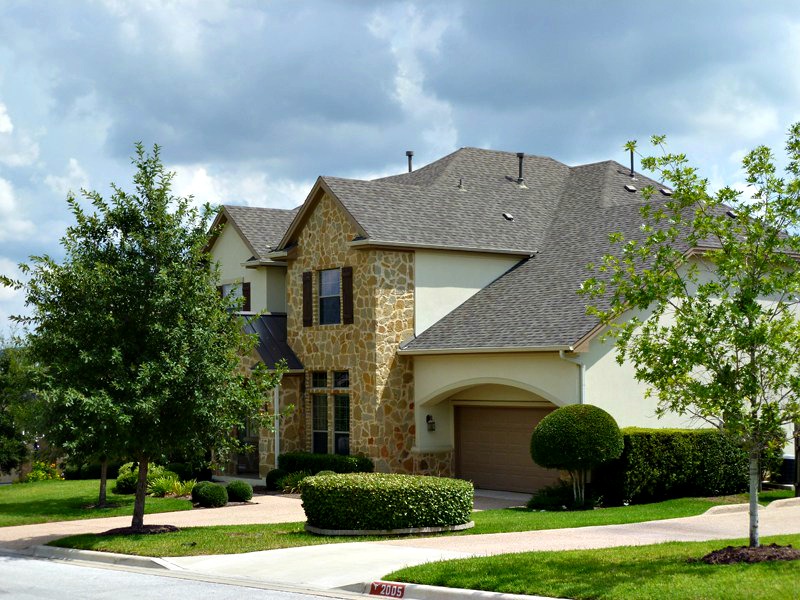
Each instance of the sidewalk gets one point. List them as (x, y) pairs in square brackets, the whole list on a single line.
[(349, 565)]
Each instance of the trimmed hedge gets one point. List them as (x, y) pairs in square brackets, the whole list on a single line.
[(657, 464), (382, 501), (293, 462), (212, 495), (239, 491)]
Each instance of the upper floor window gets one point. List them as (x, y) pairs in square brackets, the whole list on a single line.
[(333, 297), (330, 297), (237, 290)]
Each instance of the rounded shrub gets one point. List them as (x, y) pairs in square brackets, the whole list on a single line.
[(239, 491), (196, 490), (576, 437), (273, 477), (378, 501), (212, 495)]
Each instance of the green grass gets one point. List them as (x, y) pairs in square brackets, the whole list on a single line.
[(196, 541), (659, 571), (232, 539), (47, 501)]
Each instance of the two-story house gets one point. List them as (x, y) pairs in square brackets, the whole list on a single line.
[(433, 315)]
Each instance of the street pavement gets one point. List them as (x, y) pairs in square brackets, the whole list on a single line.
[(348, 566)]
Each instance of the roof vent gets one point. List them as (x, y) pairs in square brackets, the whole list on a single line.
[(461, 184), (732, 214), (633, 173), (630, 188), (520, 179), (508, 216), (666, 191), (410, 155)]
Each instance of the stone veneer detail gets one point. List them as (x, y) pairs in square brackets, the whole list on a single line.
[(381, 383)]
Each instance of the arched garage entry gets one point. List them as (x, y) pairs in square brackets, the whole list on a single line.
[(492, 433)]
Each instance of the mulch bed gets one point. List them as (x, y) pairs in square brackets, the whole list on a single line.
[(745, 554), (142, 529)]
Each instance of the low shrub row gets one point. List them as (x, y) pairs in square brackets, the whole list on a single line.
[(658, 464), (293, 462), (378, 501), (294, 466)]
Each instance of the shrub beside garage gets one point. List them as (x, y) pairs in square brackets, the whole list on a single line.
[(379, 501)]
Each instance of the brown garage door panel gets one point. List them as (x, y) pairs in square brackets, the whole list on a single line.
[(493, 448)]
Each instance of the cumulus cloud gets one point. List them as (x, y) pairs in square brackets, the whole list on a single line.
[(13, 225), (72, 181), (238, 186), (16, 149)]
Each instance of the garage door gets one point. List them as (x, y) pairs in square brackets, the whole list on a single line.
[(493, 448)]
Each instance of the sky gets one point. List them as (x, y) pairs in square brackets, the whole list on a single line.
[(252, 100)]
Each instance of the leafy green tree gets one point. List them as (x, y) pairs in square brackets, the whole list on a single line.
[(14, 392), (576, 438), (712, 285), (142, 355)]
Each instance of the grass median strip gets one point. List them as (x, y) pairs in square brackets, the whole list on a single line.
[(48, 501), (641, 573), (232, 539)]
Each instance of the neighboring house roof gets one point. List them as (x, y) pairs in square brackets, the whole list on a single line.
[(272, 345), (260, 228)]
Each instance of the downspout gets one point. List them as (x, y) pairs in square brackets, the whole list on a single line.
[(277, 422), (581, 376)]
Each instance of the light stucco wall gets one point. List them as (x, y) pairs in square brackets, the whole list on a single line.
[(267, 283), (444, 280)]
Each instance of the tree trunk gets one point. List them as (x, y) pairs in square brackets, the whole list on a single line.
[(141, 492), (101, 500), (754, 477)]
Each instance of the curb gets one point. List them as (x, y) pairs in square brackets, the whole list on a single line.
[(393, 589), (388, 532), (109, 558)]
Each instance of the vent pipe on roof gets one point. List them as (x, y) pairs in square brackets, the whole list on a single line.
[(633, 175), (520, 180), (409, 154)]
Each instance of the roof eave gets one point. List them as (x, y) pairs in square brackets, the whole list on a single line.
[(478, 350), (369, 243)]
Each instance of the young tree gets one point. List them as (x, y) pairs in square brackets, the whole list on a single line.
[(142, 354), (716, 277)]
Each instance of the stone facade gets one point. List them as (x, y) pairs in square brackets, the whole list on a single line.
[(381, 383), (292, 426)]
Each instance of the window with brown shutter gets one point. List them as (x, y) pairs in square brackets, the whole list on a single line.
[(347, 295), (308, 300), (246, 294)]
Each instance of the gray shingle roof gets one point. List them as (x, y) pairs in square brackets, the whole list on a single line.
[(536, 303), (561, 221), (428, 207), (262, 228)]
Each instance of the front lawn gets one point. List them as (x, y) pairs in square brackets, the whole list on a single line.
[(232, 539), (47, 501), (641, 573)]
